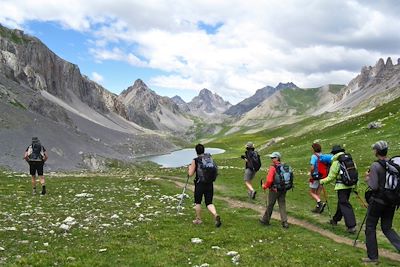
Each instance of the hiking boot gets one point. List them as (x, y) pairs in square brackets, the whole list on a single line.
[(218, 222), (316, 209), (322, 207), (370, 261), (263, 222), (285, 225), (253, 195), (352, 230), (332, 222), (197, 221), (44, 190)]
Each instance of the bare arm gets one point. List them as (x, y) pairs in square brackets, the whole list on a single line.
[(45, 156), (26, 155), (192, 168)]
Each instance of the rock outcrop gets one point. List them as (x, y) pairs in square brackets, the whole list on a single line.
[(152, 111)]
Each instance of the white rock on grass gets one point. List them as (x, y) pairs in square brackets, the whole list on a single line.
[(236, 259), (205, 265), (232, 253), (102, 250), (215, 247), (69, 220), (2, 249), (84, 195), (65, 227), (115, 216), (10, 228), (196, 240)]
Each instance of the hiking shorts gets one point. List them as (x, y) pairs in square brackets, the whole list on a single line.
[(36, 167), (314, 184), (206, 190), (249, 175)]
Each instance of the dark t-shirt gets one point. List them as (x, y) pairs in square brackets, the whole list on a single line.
[(376, 172)]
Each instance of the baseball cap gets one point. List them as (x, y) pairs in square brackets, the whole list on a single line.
[(275, 155)]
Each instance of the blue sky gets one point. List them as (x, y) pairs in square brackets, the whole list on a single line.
[(231, 47), (74, 46)]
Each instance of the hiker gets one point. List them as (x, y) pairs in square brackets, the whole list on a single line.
[(319, 170), (206, 172), (36, 156), (380, 206), (336, 173), (279, 180), (252, 166)]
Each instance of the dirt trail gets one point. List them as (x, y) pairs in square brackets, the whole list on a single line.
[(292, 220)]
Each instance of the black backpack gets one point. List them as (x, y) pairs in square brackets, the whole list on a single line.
[(254, 160), (36, 152), (348, 171), (389, 189), (206, 169)]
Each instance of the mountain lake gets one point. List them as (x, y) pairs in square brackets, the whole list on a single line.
[(181, 157)]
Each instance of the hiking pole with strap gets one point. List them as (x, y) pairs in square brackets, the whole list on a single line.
[(326, 201), (183, 195), (358, 234)]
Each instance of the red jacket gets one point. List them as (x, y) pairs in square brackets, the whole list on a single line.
[(270, 177)]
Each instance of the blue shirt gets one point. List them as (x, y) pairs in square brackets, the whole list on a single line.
[(325, 158)]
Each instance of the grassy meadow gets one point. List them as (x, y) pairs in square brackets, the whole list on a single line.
[(127, 216)]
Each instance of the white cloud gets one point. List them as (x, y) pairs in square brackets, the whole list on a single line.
[(97, 77), (259, 43)]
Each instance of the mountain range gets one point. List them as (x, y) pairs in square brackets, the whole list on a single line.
[(84, 125)]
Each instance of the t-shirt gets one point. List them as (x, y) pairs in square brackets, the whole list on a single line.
[(376, 172), (314, 160)]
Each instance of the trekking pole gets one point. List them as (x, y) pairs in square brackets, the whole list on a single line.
[(326, 201), (183, 195), (365, 205), (358, 234)]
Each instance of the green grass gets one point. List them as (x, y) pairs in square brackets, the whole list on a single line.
[(17, 104), (300, 99), (162, 238), (296, 150), (335, 88), (11, 35)]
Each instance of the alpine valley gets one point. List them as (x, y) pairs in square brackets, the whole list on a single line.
[(85, 126)]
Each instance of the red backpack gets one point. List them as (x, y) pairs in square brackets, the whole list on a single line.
[(323, 169)]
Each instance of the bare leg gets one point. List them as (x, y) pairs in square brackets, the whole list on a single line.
[(198, 211), (212, 209), (33, 181), (249, 186), (42, 182), (314, 193)]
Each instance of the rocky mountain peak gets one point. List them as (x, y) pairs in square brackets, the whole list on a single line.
[(208, 102), (389, 62), (289, 85)]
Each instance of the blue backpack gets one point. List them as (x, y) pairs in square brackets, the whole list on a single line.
[(283, 177)]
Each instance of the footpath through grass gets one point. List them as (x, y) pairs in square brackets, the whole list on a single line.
[(126, 219)]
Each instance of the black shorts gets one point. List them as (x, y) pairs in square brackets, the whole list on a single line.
[(201, 189), (36, 166)]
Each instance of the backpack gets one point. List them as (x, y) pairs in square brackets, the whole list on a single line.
[(283, 177), (348, 171), (389, 191), (206, 169), (323, 166), (254, 160), (35, 152)]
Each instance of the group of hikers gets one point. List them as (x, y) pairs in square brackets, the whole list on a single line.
[(383, 179), (382, 196)]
